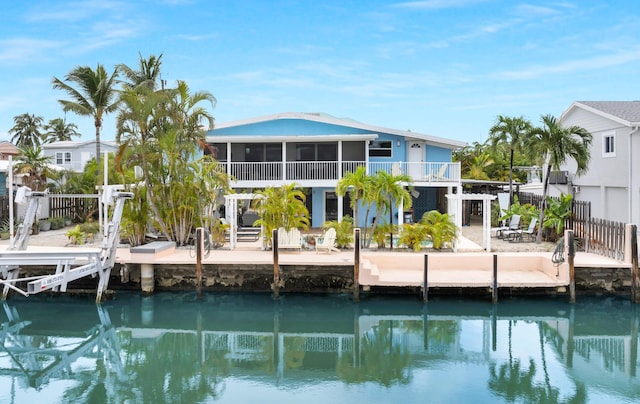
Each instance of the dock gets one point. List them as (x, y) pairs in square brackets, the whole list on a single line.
[(469, 267)]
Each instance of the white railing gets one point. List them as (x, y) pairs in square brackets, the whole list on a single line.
[(333, 170), (420, 172)]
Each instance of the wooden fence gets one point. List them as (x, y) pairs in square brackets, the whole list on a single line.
[(598, 236), (76, 209)]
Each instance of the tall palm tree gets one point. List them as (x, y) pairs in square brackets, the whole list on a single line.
[(94, 95), (386, 189), (147, 73), (354, 183), (58, 130), (26, 131), (558, 145), (509, 133)]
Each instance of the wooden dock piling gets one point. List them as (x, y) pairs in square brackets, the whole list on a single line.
[(494, 280), (635, 277), (199, 253), (276, 265), (356, 265), (425, 279), (571, 253)]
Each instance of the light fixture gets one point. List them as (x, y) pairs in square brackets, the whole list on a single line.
[(398, 143)]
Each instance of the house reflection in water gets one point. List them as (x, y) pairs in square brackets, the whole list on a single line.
[(168, 347)]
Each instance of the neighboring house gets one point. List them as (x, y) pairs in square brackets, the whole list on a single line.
[(74, 155), (314, 150), (6, 149), (612, 183)]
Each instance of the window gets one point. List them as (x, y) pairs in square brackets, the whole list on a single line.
[(608, 145), (63, 158), (380, 148)]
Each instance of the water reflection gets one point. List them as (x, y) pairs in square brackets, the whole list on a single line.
[(173, 348)]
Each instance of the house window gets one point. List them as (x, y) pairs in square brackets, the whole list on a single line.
[(608, 145), (380, 148), (63, 158)]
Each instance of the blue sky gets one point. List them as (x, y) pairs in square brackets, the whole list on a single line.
[(439, 67)]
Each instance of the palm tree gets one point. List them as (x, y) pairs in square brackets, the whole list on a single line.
[(147, 74), (58, 130), (354, 183), (385, 189), (95, 95), (26, 131), (281, 207), (33, 163), (558, 145), (478, 165), (509, 133)]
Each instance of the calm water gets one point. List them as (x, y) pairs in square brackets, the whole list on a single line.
[(171, 348)]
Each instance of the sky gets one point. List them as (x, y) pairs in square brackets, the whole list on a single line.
[(444, 68)]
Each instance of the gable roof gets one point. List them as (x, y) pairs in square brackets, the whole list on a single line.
[(624, 112), (332, 120), (73, 144)]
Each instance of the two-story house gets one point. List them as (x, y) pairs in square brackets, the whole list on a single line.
[(74, 155), (314, 151), (612, 183)]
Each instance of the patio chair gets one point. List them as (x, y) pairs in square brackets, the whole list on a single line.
[(327, 241), (289, 239), (440, 175), (514, 224), (518, 235)]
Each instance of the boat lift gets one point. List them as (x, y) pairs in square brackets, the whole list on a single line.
[(92, 261)]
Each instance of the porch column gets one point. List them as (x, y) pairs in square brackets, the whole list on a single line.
[(340, 166), (228, 158), (486, 224), (284, 161), (340, 210), (401, 213)]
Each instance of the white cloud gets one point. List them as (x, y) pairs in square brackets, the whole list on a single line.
[(586, 64), (436, 4)]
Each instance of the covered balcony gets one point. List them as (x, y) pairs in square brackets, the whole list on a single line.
[(327, 173)]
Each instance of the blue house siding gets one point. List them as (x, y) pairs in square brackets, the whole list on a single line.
[(315, 150), (440, 154), (286, 127)]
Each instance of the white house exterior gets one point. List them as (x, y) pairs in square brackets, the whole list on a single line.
[(74, 155), (612, 183)]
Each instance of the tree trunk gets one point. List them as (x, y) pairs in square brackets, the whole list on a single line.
[(543, 204), (511, 178)]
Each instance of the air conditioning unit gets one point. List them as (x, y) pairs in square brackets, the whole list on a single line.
[(576, 189), (558, 177)]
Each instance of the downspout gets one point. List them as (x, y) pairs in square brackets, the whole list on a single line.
[(630, 171)]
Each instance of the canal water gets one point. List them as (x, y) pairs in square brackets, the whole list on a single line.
[(248, 348)]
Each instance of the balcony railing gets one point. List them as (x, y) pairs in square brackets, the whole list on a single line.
[(334, 170)]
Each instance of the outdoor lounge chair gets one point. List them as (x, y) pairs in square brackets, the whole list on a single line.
[(327, 241), (440, 175), (518, 235), (514, 224), (289, 239)]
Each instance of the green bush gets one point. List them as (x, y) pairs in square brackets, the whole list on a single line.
[(344, 231)]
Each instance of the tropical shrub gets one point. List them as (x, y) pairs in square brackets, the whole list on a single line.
[(344, 231), (558, 211), (440, 227), (413, 235), (381, 231), (526, 212), (281, 207)]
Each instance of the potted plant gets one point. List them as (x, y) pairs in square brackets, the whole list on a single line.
[(44, 225)]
